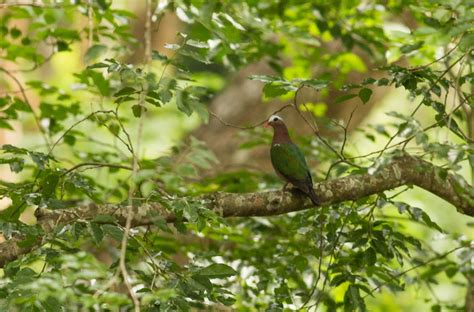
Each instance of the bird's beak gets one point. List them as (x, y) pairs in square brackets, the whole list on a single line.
[(266, 124)]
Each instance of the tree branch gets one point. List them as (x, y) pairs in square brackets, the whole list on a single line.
[(403, 170)]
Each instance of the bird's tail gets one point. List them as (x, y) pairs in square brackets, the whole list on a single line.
[(312, 195)]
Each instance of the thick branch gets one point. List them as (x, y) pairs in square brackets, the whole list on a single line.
[(404, 170), (10, 250)]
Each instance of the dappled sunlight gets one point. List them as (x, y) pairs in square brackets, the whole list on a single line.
[(251, 156)]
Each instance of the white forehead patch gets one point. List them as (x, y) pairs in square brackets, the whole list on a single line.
[(274, 118)]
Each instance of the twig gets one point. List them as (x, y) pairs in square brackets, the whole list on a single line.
[(333, 255), (75, 125), (328, 268), (437, 257), (131, 203), (422, 101), (316, 132), (434, 125), (320, 262), (129, 145), (461, 99), (96, 164), (314, 126), (91, 23), (439, 79), (3, 93), (247, 127), (438, 59), (345, 129), (35, 116), (90, 139)]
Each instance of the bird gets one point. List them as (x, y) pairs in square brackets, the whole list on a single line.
[(288, 160)]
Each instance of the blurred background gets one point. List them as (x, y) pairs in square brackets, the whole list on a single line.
[(346, 43)]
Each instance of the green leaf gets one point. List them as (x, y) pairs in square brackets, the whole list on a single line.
[(364, 94), (65, 34), (411, 47), (181, 103), (52, 304), (338, 280), (427, 220), (100, 82), (352, 299), (98, 65), (344, 98), (187, 101), (124, 99), (103, 4), (8, 148), (203, 281), (467, 42), (16, 164), (315, 83), (265, 78), (29, 241), (94, 52), (370, 256), (104, 219), (113, 67), (471, 161), (138, 110), (217, 270), (155, 55), (436, 308), (383, 82), (25, 275), (202, 111), (69, 139), (114, 231), (15, 32), (12, 213), (226, 300), (273, 90), (125, 91), (97, 233), (5, 125), (40, 159), (62, 46), (49, 184)]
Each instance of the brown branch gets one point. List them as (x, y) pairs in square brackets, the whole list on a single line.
[(96, 164), (9, 250), (403, 170)]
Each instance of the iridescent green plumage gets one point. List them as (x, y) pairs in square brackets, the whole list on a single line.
[(288, 160)]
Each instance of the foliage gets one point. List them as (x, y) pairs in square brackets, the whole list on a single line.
[(336, 256)]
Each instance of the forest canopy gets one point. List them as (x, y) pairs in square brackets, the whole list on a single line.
[(135, 172)]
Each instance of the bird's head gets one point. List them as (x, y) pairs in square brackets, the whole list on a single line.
[(273, 121)]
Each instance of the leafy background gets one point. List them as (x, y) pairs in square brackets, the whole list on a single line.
[(94, 107)]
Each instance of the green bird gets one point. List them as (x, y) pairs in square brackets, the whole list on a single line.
[(288, 160)]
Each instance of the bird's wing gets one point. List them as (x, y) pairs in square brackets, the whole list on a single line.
[(289, 161)]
